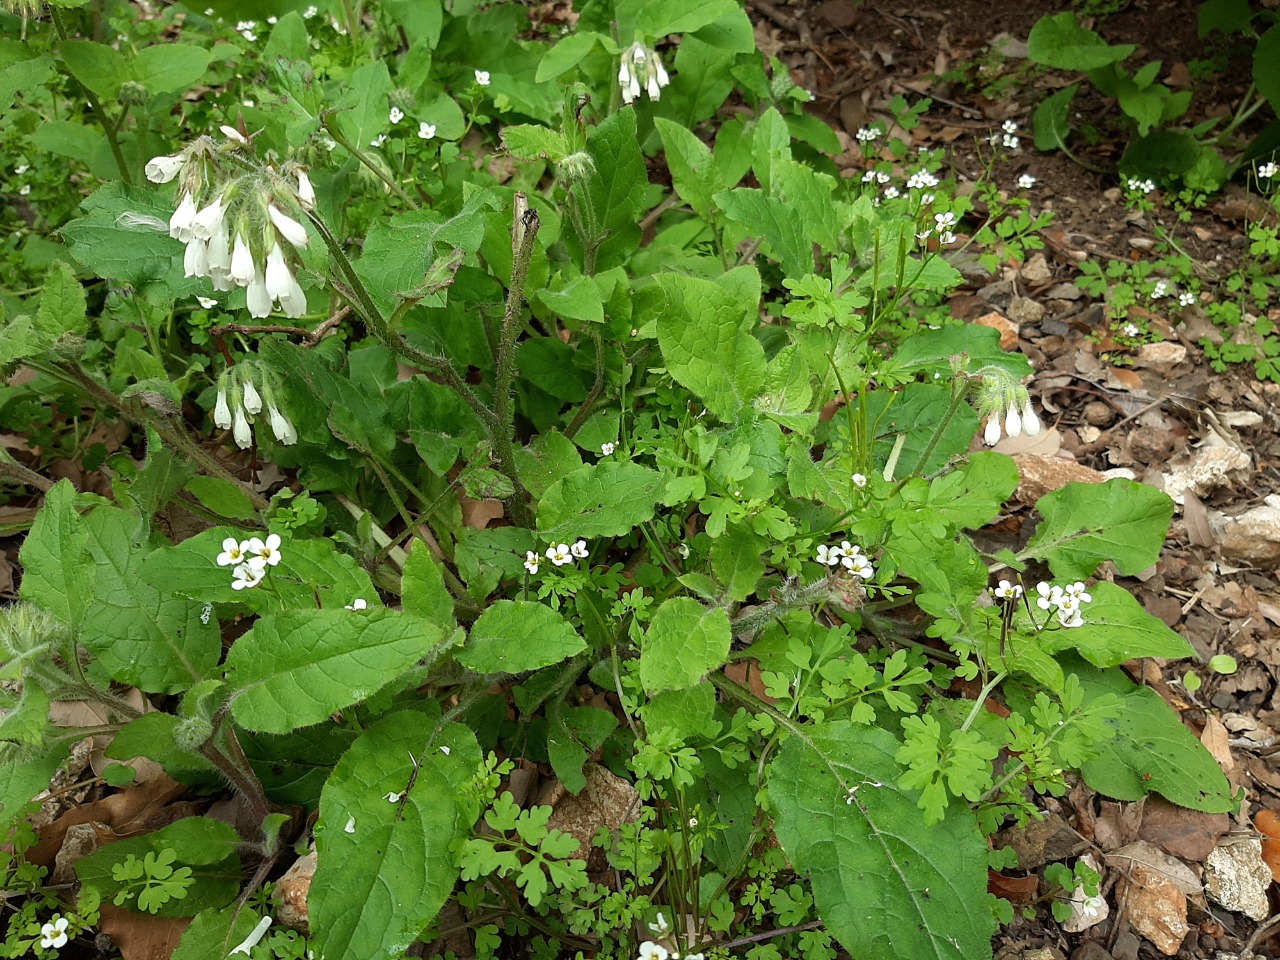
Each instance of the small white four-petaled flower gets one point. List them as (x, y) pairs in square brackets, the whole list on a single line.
[(53, 935), (426, 130), (1007, 591), (606, 449), (559, 554), (482, 77), (531, 562), (396, 115)]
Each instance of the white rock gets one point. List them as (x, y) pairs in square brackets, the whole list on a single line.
[(1237, 877)]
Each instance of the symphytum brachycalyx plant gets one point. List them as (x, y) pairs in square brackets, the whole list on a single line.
[(491, 405)]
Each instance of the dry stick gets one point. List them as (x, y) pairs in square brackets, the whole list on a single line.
[(312, 336), (1258, 934), (782, 931)]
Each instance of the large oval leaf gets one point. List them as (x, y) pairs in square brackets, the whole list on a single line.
[(684, 643), (385, 834), (886, 886), (517, 635), (293, 669)]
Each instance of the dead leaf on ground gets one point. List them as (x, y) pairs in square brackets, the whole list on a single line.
[(135, 809), (1188, 834), (140, 936), (1217, 741)]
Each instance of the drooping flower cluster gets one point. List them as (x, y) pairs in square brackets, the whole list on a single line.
[(641, 69), (241, 229), (1004, 402), (1065, 602), (239, 401), (847, 555), (249, 559)]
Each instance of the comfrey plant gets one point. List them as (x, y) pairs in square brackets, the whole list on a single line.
[(667, 490)]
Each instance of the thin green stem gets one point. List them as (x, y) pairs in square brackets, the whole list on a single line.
[(331, 127), (597, 388), (95, 105)]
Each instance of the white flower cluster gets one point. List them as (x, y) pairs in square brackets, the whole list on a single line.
[(53, 935), (239, 401), (942, 222), (1268, 170), (558, 553), (249, 559), (1160, 290), (1140, 186), (1006, 135), (641, 69), (1186, 299), (246, 29), (235, 239), (1016, 422), (1064, 601), (867, 134), (875, 176), (921, 180), (847, 555)]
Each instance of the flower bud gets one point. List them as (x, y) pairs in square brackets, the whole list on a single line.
[(133, 94), (163, 169), (289, 228)]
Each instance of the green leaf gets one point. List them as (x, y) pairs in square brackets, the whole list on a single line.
[(886, 885), (608, 499), (137, 255), (684, 642), (386, 868), (423, 592), (362, 110), (1266, 66), (528, 141), (550, 457), (705, 337), (221, 496), (785, 235), (24, 774), (579, 299), (513, 636), (565, 55), (97, 66), (1116, 628), (1052, 119), (57, 570), (1229, 16), (1170, 152), (659, 19), (161, 476), (67, 138), (170, 67), (21, 68), (308, 570), (574, 734), (213, 933), (693, 171), (296, 668), (1061, 42), (207, 847), (62, 303), (1152, 752), (1085, 523), (617, 191), (142, 636), (737, 557)]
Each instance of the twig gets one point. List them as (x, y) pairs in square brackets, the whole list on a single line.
[(311, 336), (1258, 935), (781, 931)]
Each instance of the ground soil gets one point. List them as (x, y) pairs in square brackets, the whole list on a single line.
[(1106, 410)]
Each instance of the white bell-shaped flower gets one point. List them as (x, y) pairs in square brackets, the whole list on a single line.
[(242, 269), (180, 222), (289, 228), (279, 279), (240, 429), (163, 169), (257, 299)]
